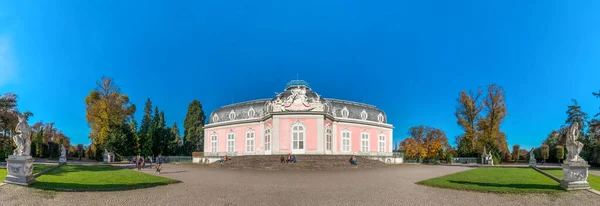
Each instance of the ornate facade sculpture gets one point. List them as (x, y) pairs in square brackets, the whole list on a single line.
[(296, 101), (574, 147), (23, 138)]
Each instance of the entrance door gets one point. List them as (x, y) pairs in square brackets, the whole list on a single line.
[(298, 138)]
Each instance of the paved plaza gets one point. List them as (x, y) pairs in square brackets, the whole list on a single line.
[(204, 185)]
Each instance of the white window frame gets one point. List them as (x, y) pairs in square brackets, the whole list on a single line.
[(345, 113), (251, 113), (250, 140), (364, 115), (300, 132), (380, 118), (364, 138), (328, 138), (381, 137), (214, 142), (230, 142), (349, 138), (268, 140), (232, 115), (215, 118)]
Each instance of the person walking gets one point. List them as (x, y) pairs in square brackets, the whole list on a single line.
[(158, 164)]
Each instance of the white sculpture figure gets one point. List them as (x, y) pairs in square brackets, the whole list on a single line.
[(574, 147), (63, 151), (531, 155), (23, 138)]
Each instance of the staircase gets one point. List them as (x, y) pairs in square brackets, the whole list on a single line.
[(303, 162)]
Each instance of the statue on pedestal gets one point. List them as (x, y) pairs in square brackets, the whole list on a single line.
[(575, 168), (63, 155), (532, 162), (20, 164)]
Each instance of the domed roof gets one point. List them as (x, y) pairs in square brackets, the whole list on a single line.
[(298, 97)]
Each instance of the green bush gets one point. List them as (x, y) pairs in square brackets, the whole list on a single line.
[(496, 161)]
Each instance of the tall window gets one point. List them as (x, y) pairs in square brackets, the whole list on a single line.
[(381, 143), (345, 141), (345, 112), (364, 142), (231, 141), (250, 141), (328, 137), (268, 139), (298, 136), (213, 142)]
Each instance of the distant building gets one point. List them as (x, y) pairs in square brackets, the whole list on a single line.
[(298, 121)]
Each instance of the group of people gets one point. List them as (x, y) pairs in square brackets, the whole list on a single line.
[(289, 159), (352, 160), (141, 162)]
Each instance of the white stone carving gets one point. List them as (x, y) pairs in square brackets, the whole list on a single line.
[(215, 118), (364, 115), (19, 170), (232, 115), (345, 112), (108, 157), (532, 162), (251, 113), (297, 101), (63, 155), (380, 117), (575, 169), (23, 138)]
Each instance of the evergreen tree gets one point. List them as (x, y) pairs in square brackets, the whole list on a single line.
[(145, 139), (175, 143), (193, 128), (574, 114)]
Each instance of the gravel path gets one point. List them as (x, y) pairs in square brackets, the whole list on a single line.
[(202, 185)]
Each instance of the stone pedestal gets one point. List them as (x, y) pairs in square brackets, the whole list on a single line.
[(19, 170), (575, 176), (532, 163), (62, 160), (490, 162)]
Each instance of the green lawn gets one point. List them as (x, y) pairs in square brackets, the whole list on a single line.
[(502, 180), (592, 179), (97, 178), (36, 168)]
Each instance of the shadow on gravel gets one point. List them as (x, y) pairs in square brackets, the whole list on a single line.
[(519, 186), (75, 187)]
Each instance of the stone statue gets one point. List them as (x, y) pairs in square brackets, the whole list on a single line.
[(23, 138), (531, 155), (574, 147), (63, 151)]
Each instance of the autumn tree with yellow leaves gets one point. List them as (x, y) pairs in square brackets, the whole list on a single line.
[(425, 142)]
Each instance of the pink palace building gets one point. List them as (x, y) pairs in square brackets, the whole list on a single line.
[(298, 121)]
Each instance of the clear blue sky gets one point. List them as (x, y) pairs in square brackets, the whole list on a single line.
[(409, 58)]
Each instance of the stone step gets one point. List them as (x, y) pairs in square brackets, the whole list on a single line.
[(304, 162)]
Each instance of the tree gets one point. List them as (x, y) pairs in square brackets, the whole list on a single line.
[(467, 115), (545, 152), (428, 142), (193, 128), (560, 153), (106, 106), (515, 152), (492, 137), (80, 151), (574, 114), (144, 134), (175, 143), (411, 148)]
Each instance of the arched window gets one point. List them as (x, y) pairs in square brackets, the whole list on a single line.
[(345, 112), (380, 118), (268, 139), (381, 142), (250, 141), (298, 135), (231, 141), (328, 137), (232, 115), (213, 142), (364, 141), (215, 118), (363, 115), (251, 112), (345, 140)]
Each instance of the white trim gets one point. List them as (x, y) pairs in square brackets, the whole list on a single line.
[(231, 133), (349, 141), (380, 118), (214, 142), (364, 125), (344, 113), (364, 115), (215, 118), (301, 137), (292, 116), (379, 141), (268, 131), (228, 126), (231, 115), (253, 114), (328, 138), (251, 133), (363, 134)]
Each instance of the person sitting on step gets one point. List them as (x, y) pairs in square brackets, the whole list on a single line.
[(289, 158), (294, 158), (224, 159), (282, 159), (353, 160)]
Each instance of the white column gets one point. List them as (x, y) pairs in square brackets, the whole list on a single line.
[(275, 135), (320, 132), (260, 147), (391, 141)]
